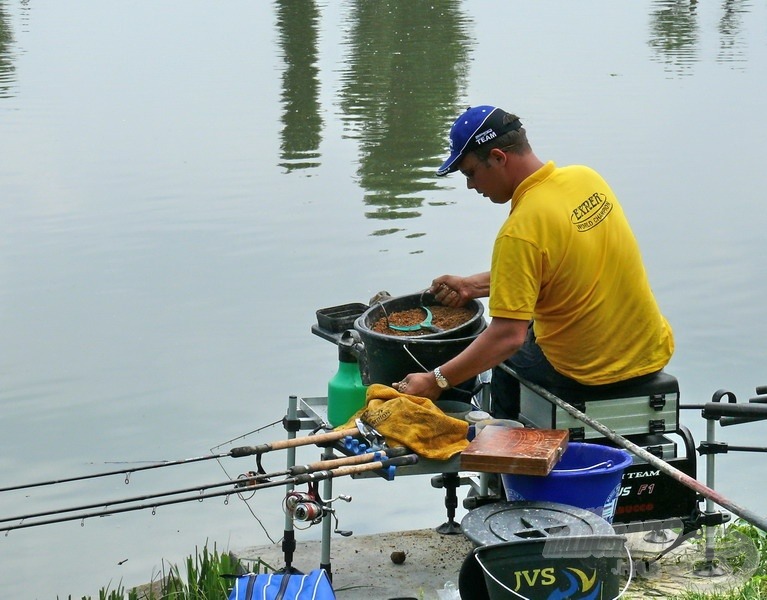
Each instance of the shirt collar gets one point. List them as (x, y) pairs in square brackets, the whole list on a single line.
[(531, 181)]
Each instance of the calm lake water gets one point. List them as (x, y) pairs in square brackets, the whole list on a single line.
[(183, 184)]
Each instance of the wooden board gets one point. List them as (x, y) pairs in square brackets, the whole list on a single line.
[(517, 450)]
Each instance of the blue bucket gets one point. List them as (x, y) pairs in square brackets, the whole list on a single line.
[(587, 476)]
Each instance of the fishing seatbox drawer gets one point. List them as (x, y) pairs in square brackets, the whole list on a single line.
[(656, 444), (650, 407)]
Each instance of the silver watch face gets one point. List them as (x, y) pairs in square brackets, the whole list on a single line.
[(441, 381)]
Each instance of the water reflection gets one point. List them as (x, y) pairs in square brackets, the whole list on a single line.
[(675, 35), (302, 125), (403, 77), (6, 57), (732, 45)]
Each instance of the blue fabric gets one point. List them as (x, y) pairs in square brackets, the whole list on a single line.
[(269, 586)]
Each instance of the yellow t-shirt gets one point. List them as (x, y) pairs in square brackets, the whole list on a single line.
[(567, 258)]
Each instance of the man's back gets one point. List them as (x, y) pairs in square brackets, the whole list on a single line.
[(567, 258)]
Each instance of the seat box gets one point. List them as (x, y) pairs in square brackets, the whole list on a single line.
[(651, 407)]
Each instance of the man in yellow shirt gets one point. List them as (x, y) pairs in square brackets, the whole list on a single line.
[(569, 297)]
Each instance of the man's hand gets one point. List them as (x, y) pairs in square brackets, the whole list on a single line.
[(419, 384), (455, 291)]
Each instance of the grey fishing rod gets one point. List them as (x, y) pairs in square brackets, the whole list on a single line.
[(349, 469), (159, 465), (238, 452), (240, 482)]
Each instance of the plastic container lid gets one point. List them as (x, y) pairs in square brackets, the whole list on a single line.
[(521, 521), (475, 416)]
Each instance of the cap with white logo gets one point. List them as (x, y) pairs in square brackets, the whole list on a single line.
[(474, 128)]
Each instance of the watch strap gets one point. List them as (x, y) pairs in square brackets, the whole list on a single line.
[(441, 379)]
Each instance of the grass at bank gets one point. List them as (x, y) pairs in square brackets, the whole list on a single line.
[(208, 576), (756, 587)]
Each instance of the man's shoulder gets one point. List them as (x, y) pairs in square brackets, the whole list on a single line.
[(576, 171)]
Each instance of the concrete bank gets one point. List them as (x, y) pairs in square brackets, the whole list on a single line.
[(362, 567)]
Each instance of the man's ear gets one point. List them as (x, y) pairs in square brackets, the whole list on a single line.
[(498, 155)]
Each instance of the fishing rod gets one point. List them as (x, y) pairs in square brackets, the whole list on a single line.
[(241, 482), (656, 462), (349, 469), (318, 439), (170, 463)]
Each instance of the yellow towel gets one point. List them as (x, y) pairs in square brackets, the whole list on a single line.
[(413, 422)]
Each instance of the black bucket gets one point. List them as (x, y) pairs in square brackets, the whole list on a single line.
[(540, 550), (388, 358), (566, 567)]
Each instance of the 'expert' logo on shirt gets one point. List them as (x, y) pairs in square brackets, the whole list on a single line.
[(591, 212)]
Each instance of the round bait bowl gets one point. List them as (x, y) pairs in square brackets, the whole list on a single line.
[(389, 306)]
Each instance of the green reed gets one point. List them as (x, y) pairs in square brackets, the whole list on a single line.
[(208, 576)]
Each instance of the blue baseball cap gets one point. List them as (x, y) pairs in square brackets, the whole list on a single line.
[(474, 128)]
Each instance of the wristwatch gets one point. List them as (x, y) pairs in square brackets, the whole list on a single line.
[(441, 381)]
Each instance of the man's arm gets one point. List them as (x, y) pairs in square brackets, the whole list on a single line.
[(501, 339)]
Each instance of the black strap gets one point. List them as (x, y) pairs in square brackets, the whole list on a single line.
[(283, 587), (251, 585)]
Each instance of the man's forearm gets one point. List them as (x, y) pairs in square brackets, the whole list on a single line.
[(499, 341), (479, 284)]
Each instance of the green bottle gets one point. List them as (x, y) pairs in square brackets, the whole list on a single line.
[(346, 392)]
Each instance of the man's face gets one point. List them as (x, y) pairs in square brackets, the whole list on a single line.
[(486, 177)]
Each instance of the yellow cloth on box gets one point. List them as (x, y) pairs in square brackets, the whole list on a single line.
[(411, 421)]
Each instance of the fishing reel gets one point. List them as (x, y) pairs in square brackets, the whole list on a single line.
[(308, 507)]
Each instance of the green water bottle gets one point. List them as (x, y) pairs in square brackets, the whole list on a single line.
[(346, 392)]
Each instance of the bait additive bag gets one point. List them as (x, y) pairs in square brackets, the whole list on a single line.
[(314, 585)]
